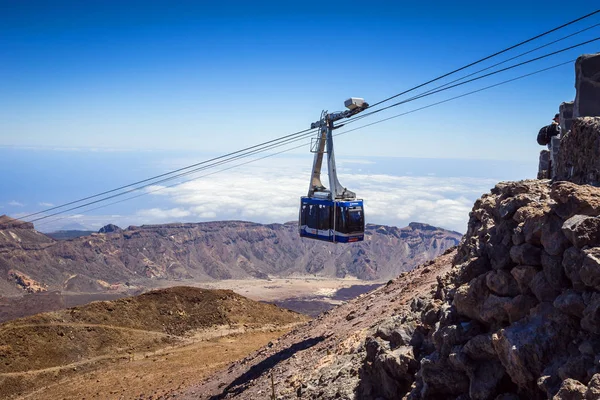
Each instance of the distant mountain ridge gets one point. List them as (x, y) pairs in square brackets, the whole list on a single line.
[(32, 261)]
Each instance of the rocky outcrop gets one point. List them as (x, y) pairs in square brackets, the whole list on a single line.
[(578, 160), (7, 222), (206, 251), (579, 155), (17, 235), (522, 302), (110, 228)]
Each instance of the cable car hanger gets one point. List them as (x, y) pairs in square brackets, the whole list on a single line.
[(334, 214)]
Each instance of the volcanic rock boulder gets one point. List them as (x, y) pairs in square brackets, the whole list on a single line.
[(110, 228)]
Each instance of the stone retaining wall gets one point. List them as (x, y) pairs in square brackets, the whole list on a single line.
[(579, 155)]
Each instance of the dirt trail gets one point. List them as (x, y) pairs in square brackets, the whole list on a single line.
[(79, 325)]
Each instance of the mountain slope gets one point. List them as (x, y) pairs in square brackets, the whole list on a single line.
[(205, 251)]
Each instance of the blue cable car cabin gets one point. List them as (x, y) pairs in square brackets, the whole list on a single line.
[(336, 221)]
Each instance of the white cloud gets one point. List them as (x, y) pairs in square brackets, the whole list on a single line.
[(44, 204), (269, 191), (157, 214), (266, 193), (355, 161), (15, 203), (397, 200)]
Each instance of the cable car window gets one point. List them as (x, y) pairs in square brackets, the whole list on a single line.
[(340, 223), (355, 219), (324, 217), (303, 214), (312, 219)]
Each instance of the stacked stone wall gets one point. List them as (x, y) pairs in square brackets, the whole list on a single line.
[(579, 154), (577, 165)]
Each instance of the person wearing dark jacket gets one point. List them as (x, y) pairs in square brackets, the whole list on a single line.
[(550, 136), (553, 130)]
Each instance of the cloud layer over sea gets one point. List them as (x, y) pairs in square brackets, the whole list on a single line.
[(396, 191)]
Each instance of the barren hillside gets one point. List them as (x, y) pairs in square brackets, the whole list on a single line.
[(50, 347)]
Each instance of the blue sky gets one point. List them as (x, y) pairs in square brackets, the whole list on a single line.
[(161, 80)]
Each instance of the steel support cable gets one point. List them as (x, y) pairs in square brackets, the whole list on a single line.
[(456, 97), (475, 79), (488, 57), (189, 180), (212, 165), (337, 134), (359, 117), (517, 56), (166, 174)]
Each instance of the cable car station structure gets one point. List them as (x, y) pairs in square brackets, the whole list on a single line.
[(334, 214)]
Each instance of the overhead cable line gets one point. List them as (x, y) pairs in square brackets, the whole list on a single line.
[(134, 189), (488, 57), (518, 55), (166, 173), (429, 93), (361, 116), (456, 97), (338, 134), (186, 181)]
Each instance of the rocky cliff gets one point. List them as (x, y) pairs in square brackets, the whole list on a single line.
[(514, 313), (33, 262)]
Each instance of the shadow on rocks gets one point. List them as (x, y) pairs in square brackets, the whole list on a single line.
[(240, 384)]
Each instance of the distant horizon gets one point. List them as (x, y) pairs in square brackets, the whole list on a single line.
[(85, 229), (396, 190)]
